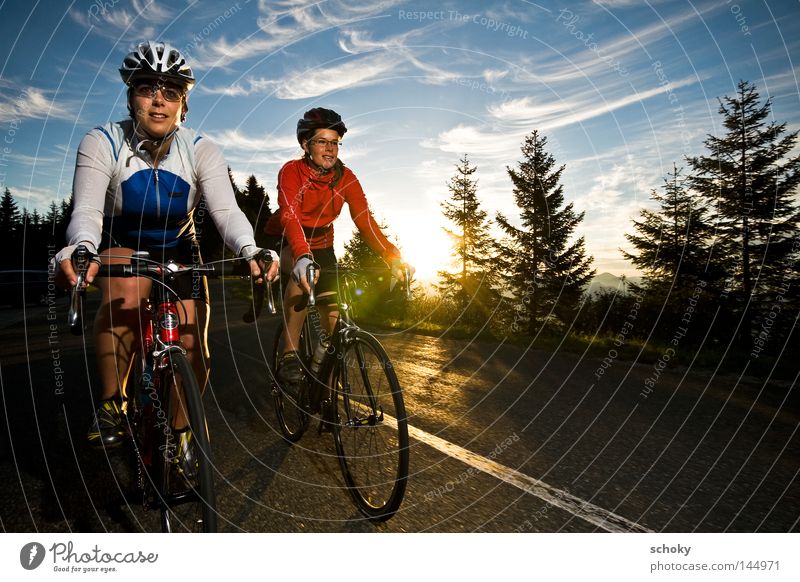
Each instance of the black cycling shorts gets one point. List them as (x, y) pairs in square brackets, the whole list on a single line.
[(325, 258), (186, 252)]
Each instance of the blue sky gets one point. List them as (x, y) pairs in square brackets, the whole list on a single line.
[(621, 88)]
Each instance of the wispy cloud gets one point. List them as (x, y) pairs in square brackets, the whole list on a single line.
[(367, 61), (31, 103), (549, 116), (32, 198), (327, 79), (253, 85), (117, 23), (37, 160), (508, 122), (234, 139), (282, 23), (322, 79)]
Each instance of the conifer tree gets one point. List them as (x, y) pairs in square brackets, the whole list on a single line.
[(547, 269), (371, 275), (10, 231), (672, 249), (10, 217), (672, 240), (750, 185), (254, 202), (472, 284)]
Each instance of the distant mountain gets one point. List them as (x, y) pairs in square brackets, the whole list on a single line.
[(609, 281)]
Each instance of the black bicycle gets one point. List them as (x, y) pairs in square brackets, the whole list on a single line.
[(163, 386), (353, 386)]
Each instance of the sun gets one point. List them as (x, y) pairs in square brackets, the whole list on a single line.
[(425, 246), (427, 249)]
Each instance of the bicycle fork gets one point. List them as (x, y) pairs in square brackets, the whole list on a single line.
[(375, 415)]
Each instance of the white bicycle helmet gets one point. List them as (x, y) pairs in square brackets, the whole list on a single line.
[(156, 59)]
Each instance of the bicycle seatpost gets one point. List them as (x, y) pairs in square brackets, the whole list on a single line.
[(311, 275)]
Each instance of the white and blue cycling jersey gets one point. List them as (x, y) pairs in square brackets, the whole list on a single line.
[(120, 196)]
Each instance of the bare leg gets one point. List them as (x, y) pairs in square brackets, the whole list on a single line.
[(117, 325), (293, 320)]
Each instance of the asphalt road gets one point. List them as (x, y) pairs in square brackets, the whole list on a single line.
[(504, 439)]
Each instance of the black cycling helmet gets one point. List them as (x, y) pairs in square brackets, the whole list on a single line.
[(156, 59), (319, 118)]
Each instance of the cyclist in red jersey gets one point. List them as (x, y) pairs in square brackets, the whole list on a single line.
[(312, 191)]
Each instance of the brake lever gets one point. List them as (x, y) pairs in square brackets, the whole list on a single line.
[(259, 292), (407, 277), (80, 261), (311, 275)]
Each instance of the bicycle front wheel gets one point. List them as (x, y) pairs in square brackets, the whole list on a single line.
[(370, 428), (187, 501)]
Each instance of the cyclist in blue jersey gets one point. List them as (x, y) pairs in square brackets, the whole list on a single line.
[(136, 185)]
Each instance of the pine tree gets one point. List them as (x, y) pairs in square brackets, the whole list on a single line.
[(10, 231), (10, 217), (472, 285), (254, 202), (672, 241), (546, 269), (672, 251), (53, 217), (751, 184), (359, 255), (372, 276)]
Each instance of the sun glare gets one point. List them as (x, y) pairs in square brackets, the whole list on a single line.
[(427, 250)]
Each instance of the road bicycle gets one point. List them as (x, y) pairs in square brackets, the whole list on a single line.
[(351, 383), (163, 383)]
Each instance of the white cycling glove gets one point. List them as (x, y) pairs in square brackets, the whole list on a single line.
[(301, 268), (252, 252), (66, 252)]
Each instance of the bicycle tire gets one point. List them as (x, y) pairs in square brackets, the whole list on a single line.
[(370, 427), (139, 422), (292, 419), (185, 506)]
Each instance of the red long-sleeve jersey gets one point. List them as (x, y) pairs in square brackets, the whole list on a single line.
[(308, 205)]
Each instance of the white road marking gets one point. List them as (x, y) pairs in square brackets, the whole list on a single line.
[(578, 507), (595, 515)]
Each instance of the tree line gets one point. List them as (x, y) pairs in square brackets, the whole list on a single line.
[(718, 253)]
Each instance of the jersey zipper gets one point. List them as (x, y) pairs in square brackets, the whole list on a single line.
[(158, 198)]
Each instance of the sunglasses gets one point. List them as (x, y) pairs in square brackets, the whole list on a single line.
[(170, 93), (324, 143)]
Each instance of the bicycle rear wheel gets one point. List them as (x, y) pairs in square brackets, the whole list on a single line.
[(371, 430), (187, 505), (292, 419)]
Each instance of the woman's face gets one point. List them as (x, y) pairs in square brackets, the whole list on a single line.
[(155, 114), (323, 148)]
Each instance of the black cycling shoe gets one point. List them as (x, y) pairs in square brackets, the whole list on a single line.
[(290, 376), (186, 456), (290, 371), (107, 429)]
